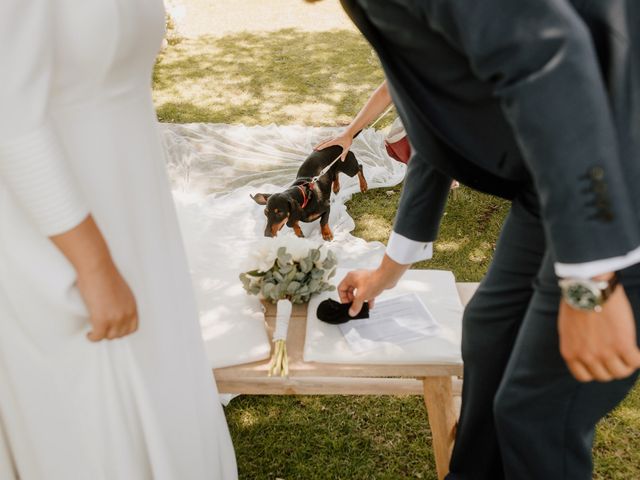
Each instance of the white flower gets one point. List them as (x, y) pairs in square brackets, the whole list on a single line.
[(265, 251), (263, 255), (297, 247), (324, 251), (301, 247)]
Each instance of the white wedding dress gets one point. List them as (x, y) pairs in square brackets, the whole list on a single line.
[(78, 135)]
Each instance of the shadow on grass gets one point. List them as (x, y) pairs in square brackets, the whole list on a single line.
[(287, 76)]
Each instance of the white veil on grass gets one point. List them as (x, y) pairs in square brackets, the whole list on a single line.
[(213, 169)]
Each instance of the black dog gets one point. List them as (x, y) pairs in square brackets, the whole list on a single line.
[(306, 200)]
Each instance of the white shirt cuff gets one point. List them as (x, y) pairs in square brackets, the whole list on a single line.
[(406, 251), (597, 267)]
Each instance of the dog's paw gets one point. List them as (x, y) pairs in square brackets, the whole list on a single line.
[(363, 182), (327, 234), (336, 186)]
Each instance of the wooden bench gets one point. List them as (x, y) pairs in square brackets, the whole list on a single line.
[(438, 383)]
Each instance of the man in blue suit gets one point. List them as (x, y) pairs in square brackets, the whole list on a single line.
[(538, 102)]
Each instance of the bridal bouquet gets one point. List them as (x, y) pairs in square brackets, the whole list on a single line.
[(287, 270)]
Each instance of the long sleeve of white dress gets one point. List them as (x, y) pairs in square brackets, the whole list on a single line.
[(32, 163)]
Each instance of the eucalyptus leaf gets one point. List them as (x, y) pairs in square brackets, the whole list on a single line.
[(284, 267), (282, 290), (254, 290), (306, 265), (293, 287), (290, 277), (329, 263), (267, 289), (283, 256)]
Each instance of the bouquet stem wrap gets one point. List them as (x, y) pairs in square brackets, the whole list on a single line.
[(288, 270), (279, 360)]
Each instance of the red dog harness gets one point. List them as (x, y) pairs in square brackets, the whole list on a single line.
[(305, 197)]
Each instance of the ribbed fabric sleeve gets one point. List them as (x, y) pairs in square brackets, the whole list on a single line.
[(33, 168), (32, 162)]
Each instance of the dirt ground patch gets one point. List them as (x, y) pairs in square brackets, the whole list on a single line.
[(218, 18)]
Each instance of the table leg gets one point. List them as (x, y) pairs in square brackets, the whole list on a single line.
[(438, 398)]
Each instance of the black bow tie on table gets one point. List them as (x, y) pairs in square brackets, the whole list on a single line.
[(335, 313)]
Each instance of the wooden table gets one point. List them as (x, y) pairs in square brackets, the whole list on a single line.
[(438, 383)]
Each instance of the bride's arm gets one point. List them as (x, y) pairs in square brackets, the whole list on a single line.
[(34, 170), (32, 163), (110, 302)]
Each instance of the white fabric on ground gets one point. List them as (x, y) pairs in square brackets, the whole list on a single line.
[(437, 289), (214, 168)]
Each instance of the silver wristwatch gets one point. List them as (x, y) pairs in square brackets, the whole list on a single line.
[(587, 295)]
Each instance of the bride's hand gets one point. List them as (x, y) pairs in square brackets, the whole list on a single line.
[(112, 307)]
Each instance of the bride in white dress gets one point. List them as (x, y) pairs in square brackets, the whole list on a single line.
[(78, 144)]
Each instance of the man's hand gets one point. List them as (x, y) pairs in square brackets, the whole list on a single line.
[(600, 346), (365, 285)]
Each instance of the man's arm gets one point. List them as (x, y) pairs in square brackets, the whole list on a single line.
[(420, 211), (539, 57), (422, 203)]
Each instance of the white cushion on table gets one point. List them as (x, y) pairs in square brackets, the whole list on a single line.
[(233, 331), (437, 289)]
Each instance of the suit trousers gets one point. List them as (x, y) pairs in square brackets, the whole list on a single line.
[(523, 414)]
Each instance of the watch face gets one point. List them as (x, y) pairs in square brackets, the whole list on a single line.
[(582, 297)]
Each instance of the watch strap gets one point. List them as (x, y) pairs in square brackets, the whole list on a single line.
[(612, 283)]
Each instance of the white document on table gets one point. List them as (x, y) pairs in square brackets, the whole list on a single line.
[(398, 320)]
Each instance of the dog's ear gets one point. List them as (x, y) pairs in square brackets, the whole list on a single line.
[(260, 198)]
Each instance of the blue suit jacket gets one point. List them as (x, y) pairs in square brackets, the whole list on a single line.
[(506, 95)]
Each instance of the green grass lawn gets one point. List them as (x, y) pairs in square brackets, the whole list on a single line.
[(322, 78)]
